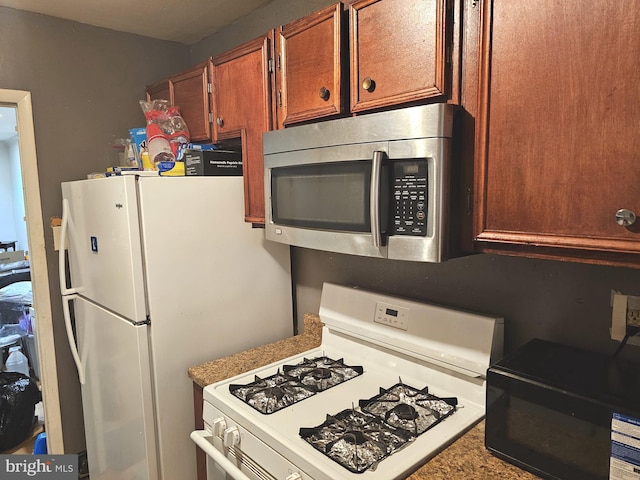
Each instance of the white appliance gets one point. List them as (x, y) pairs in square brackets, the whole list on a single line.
[(164, 274), (411, 350)]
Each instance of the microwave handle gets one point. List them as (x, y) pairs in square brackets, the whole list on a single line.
[(374, 198)]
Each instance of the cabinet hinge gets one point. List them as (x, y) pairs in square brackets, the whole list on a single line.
[(209, 88), (280, 98), (271, 65), (210, 117), (279, 62)]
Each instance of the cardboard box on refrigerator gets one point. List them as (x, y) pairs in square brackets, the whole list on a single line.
[(213, 162)]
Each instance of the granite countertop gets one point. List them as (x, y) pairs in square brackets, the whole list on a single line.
[(466, 458)]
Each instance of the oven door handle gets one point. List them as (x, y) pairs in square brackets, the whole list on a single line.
[(374, 198), (200, 437)]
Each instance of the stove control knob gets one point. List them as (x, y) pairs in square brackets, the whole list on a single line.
[(294, 476), (231, 437), (219, 426)]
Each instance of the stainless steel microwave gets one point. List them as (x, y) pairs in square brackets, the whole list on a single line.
[(564, 413), (376, 185)]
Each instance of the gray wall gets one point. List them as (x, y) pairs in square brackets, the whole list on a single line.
[(85, 84), (278, 12), (558, 301)]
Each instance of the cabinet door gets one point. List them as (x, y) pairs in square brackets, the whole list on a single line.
[(557, 148), (398, 51), (191, 95), (309, 69), (242, 90), (160, 91)]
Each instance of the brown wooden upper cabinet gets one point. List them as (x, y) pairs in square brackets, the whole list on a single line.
[(189, 91), (400, 51), (242, 111), (162, 90), (309, 66), (557, 147)]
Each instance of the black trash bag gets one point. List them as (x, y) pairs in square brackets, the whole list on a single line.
[(18, 397)]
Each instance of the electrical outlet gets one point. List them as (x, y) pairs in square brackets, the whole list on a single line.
[(633, 311), (625, 314)]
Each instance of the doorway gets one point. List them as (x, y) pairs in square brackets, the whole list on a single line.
[(21, 102)]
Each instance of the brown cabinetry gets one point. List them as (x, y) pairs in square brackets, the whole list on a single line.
[(189, 91), (400, 50), (162, 90), (384, 52), (241, 106), (557, 146), (310, 53)]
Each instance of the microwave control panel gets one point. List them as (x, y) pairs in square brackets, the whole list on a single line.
[(410, 197)]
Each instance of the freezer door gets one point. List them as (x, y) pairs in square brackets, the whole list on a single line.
[(117, 395), (103, 238)]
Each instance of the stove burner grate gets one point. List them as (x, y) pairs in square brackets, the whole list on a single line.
[(411, 409), (322, 373), (355, 439), (359, 439), (294, 383), (271, 394)]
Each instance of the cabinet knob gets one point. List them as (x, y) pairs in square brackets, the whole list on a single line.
[(368, 84), (220, 121), (625, 217), (324, 93)]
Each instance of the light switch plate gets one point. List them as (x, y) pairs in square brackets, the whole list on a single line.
[(618, 316)]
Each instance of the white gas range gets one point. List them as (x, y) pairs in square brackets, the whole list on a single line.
[(393, 382)]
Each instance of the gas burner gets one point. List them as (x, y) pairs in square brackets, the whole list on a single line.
[(359, 439), (406, 407), (356, 440), (295, 383), (322, 373), (273, 393)]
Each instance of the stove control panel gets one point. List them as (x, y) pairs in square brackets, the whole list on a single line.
[(392, 315)]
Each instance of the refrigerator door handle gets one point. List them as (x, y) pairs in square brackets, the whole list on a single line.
[(62, 266), (72, 341)]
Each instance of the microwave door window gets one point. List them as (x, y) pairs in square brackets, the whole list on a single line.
[(327, 196)]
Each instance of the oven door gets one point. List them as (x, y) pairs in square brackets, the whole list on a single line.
[(233, 452), (219, 467)]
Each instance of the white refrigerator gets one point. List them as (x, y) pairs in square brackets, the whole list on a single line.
[(161, 273)]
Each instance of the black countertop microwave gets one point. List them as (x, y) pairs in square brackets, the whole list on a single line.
[(564, 413)]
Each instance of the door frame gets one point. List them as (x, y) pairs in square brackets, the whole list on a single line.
[(38, 264)]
